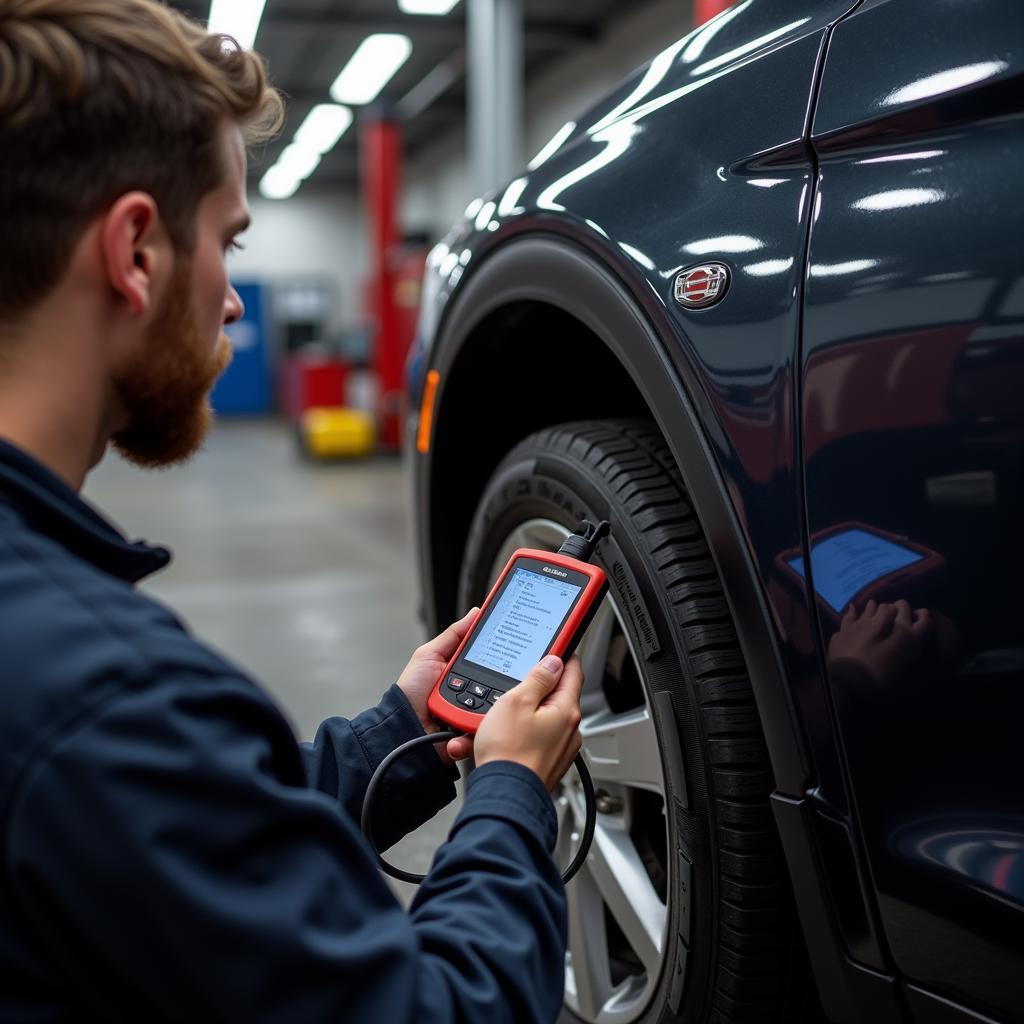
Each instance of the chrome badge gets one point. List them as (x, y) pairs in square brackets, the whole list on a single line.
[(701, 286)]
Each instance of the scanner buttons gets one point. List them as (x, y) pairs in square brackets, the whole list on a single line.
[(470, 694)]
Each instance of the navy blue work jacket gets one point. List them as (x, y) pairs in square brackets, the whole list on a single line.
[(170, 853)]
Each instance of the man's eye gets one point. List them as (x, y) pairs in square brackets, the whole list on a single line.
[(234, 246)]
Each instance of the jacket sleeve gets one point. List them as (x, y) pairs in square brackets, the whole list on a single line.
[(168, 859), (344, 754)]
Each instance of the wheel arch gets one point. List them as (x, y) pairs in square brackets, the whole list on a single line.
[(546, 297)]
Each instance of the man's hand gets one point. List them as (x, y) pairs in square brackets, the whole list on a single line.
[(884, 639), (420, 675), (536, 724)]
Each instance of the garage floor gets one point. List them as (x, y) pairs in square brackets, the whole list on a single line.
[(301, 573)]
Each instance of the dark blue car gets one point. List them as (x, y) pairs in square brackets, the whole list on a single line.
[(763, 309)]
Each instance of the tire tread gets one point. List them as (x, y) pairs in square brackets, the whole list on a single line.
[(754, 920)]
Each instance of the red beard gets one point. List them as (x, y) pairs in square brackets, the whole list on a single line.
[(165, 388)]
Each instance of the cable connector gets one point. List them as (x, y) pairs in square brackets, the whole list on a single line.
[(580, 545)]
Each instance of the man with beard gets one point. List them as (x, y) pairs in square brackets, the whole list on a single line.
[(169, 852)]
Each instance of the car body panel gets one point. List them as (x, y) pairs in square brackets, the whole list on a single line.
[(913, 423), (732, 184), (704, 155), (669, 159)]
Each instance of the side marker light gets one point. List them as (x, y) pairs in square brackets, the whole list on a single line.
[(427, 412)]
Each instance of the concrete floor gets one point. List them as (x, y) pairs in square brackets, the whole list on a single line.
[(301, 573)]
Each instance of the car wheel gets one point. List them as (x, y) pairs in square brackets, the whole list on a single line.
[(682, 908)]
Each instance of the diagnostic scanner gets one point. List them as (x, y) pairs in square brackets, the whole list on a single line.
[(541, 604)]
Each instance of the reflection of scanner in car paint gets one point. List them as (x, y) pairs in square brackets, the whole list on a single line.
[(847, 562), (852, 562)]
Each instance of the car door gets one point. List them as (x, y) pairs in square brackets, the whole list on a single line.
[(913, 449)]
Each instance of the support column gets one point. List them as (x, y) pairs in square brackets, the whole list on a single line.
[(494, 31), (380, 146)]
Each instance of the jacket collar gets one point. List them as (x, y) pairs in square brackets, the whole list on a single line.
[(50, 507)]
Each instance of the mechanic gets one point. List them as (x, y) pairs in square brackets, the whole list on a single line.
[(169, 851)]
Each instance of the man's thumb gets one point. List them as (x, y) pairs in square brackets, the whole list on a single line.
[(544, 676)]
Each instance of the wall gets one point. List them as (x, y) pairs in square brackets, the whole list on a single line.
[(317, 235)]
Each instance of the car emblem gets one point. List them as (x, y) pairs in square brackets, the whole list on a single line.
[(702, 286)]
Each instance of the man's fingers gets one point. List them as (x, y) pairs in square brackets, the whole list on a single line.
[(904, 615), (566, 693), (541, 679), (884, 618), (460, 748), (445, 644)]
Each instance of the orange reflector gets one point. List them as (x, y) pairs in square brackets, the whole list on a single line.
[(427, 412)]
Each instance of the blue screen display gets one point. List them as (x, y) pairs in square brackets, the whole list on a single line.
[(522, 623), (845, 563)]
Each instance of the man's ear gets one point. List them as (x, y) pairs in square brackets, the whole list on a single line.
[(134, 243)]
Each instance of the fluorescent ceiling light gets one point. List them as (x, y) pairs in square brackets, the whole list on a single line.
[(371, 68), (553, 145), (836, 269), (324, 125), (724, 243), (298, 161), (238, 18), (278, 183), (946, 81), (426, 6), (899, 199)]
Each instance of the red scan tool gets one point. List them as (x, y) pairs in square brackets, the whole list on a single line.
[(541, 604)]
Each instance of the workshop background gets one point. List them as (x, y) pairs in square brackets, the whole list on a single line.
[(290, 533)]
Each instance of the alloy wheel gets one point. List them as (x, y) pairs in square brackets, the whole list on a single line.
[(618, 903)]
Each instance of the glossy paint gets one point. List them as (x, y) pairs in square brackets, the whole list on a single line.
[(913, 413), (702, 156), (901, 416), (698, 157)]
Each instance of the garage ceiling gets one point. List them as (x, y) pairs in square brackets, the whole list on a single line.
[(307, 42)]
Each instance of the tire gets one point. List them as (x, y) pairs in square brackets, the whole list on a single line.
[(672, 738)]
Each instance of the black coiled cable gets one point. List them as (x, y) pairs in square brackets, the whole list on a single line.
[(442, 737)]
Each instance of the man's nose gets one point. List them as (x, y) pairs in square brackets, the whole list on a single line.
[(233, 306)]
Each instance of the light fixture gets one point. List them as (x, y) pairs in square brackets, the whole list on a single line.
[(237, 18), (278, 183), (553, 145), (323, 126), (899, 199), (371, 67), (426, 6), (298, 161)]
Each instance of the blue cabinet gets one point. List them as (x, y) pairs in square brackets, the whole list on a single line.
[(245, 387)]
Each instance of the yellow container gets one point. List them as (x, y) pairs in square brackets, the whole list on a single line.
[(337, 433)]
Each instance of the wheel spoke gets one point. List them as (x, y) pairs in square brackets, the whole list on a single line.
[(590, 980), (620, 877), (593, 651), (622, 751), (565, 814), (623, 748)]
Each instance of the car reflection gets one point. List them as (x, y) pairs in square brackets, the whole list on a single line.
[(991, 858), (945, 81), (899, 199), (616, 138)]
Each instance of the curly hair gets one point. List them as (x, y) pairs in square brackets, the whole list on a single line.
[(102, 97)]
